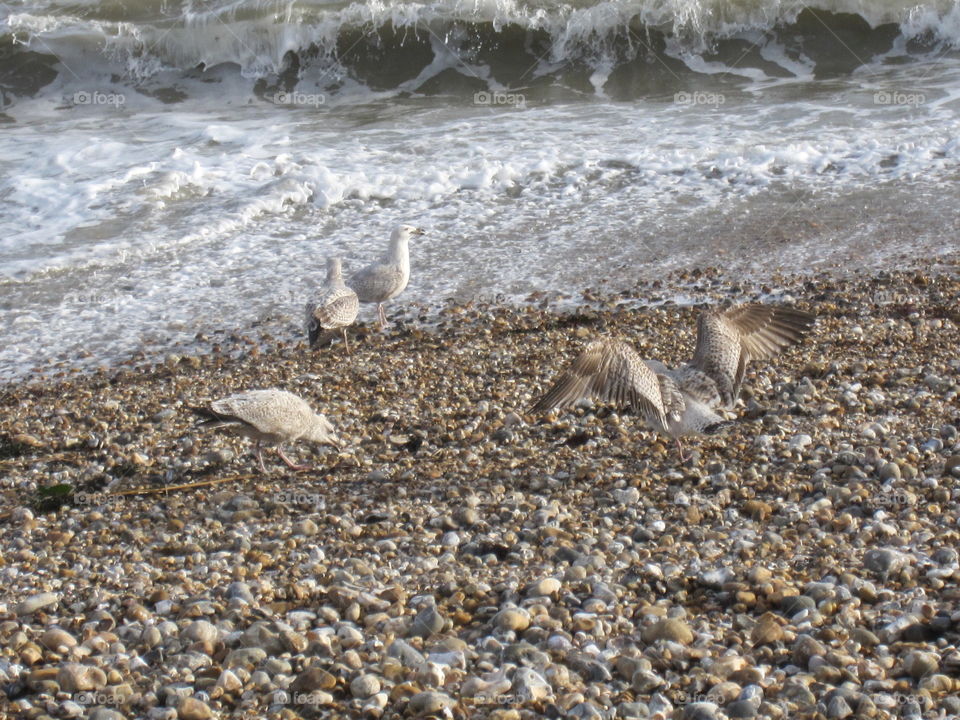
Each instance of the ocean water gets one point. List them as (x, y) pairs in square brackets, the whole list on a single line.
[(174, 168)]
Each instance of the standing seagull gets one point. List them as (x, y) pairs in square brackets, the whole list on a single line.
[(682, 401), (384, 280), (271, 417), (335, 309)]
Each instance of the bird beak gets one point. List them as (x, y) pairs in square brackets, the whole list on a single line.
[(419, 231)]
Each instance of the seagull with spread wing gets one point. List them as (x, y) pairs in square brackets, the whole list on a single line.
[(682, 401)]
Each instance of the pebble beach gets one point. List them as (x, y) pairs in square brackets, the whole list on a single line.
[(463, 559)]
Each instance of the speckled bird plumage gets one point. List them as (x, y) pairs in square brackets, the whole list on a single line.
[(334, 309), (685, 400), (270, 417)]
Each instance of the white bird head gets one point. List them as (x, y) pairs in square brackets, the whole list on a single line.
[(323, 432), (405, 232)]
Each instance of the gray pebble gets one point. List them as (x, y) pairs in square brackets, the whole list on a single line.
[(37, 602)]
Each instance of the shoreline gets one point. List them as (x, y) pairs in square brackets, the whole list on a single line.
[(678, 286), (454, 556)]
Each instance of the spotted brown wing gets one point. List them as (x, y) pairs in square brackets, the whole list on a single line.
[(728, 340), (610, 371)]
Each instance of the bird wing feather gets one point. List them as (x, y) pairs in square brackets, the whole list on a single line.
[(376, 282), (336, 308), (728, 340), (271, 412), (611, 371)]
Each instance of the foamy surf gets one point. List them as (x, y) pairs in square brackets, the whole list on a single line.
[(173, 169), (399, 46)]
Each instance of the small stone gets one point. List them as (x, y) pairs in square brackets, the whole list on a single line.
[(427, 622), (293, 642), (646, 681), (742, 709), (628, 496), (516, 619), (349, 636), (945, 556), (584, 711), (467, 517), (409, 656), (37, 602), (884, 561), (767, 630), (102, 713), (364, 686), (671, 629), (70, 709), (55, 638), (864, 637), (700, 711), (229, 681), (305, 527), (794, 604), (429, 703), (632, 711), (543, 588), (245, 657), (240, 591), (165, 414), (73, 677), (162, 713), (529, 685), (838, 708), (313, 678), (890, 471), (918, 664), (190, 708), (804, 648), (201, 631)]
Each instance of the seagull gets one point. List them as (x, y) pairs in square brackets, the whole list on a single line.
[(387, 278), (335, 308), (270, 417), (682, 401)]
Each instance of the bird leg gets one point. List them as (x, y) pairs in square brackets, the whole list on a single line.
[(680, 450), (290, 462), (346, 343), (260, 458), (383, 316)]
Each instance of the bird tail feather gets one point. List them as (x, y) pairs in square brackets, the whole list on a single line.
[(212, 419)]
